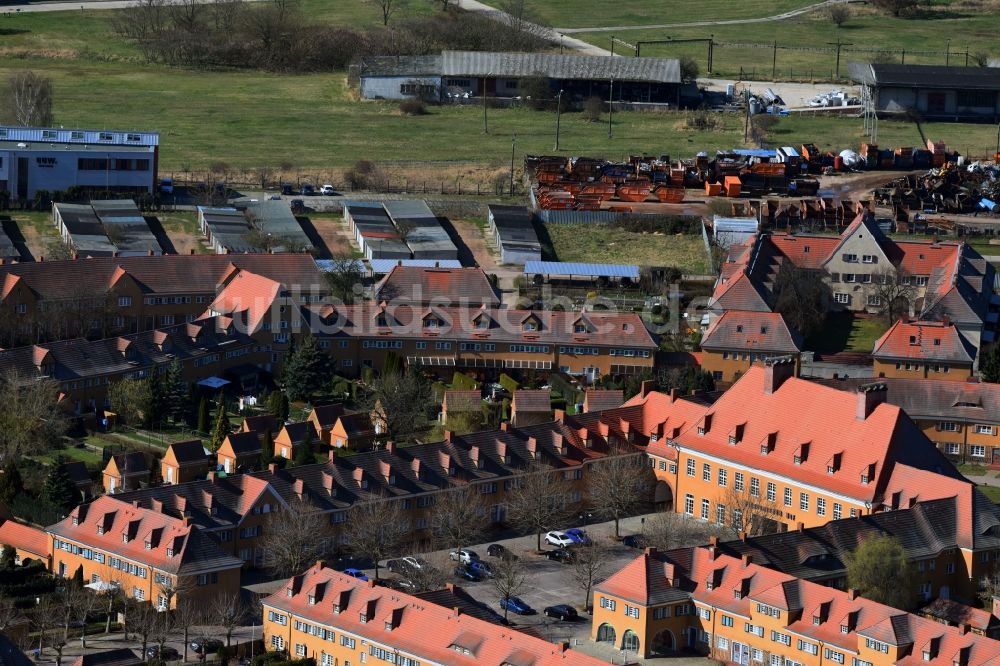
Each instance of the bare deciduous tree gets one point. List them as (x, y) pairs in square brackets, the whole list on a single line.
[(292, 538), (754, 515), (28, 99), (840, 14), (143, 619), (375, 529), (83, 603), (229, 612), (509, 580), (895, 292), (31, 417), (187, 615), (589, 565), (388, 8), (458, 517), (538, 501), (669, 530), (619, 486)]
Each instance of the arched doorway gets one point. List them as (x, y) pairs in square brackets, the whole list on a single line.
[(606, 634), (630, 641), (663, 642), (663, 496)]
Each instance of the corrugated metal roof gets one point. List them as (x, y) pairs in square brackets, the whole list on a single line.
[(927, 76), (421, 65), (553, 66), (591, 270), (746, 224), (83, 136), (383, 266)]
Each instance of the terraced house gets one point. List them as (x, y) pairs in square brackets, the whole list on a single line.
[(337, 620), (737, 611), (752, 460), (150, 555)]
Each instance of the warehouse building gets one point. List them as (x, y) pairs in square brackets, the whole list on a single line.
[(514, 234), (81, 230), (226, 230), (421, 230), (126, 227), (935, 92), (33, 159), (373, 229), (458, 75)]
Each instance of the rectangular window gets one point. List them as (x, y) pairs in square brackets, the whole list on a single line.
[(843, 299), (723, 477), (836, 657), (947, 426), (771, 492), (706, 472), (788, 496), (837, 510), (985, 430), (738, 482), (689, 504), (977, 451), (690, 467), (705, 507), (820, 506), (727, 621), (804, 501), (755, 487)]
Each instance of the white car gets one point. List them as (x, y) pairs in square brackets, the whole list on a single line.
[(558, 539), (464, 556), (327, 190)]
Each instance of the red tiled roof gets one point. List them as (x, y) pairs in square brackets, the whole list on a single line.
[(24, 537), (955, 612), (806, 251), (531, 400), (455, 286), (922, 258), (667, 415), (248, 294), (596, 400), (463, 401), (326, 415), (924, 341), (752, 331), (831, 433), (419, 628)]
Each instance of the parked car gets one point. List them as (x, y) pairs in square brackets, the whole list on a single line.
[(635, 541), (559, 539), (468, 573), (501, 551), (562, 611), (287, 189), (274, 197), (205, 646), (561, 555), (579, 536), (167, 654), (515, 605), (355, 573), (167, 185), (401, 584), (481, 567), (308, 190), (406, 565), (327, 190), (463, 555)]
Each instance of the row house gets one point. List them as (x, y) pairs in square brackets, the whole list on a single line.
[(337, 620), (150, 555), (240, 452), (236, 508), (84, 369), (530, 406), (924, 350), (28, 543), (739, 339), (462, 287), (596, 400), (483, 341), (734, 610), (125, 471), (752, 461), (185, 461), (961, 418), (950, 543), (938, 280), (104, 296)]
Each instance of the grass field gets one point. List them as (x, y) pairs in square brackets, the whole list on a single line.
[(606, 244), (596, 13), (843, 331)]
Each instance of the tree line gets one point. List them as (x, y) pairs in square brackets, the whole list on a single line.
[(278, 36)]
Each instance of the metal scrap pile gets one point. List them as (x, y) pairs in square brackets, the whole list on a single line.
[(948, 189), (583, 183)]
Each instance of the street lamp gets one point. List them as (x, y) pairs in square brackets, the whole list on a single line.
[(558, 116), (513, 143), (611, 105)]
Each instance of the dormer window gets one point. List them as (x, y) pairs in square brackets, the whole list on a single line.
[(763, 330), (732, 439), (149, 545), (844, 629), (737, 594), (363, 618), (431, 322), (864, 479), (125, 537), (530, 326), (739, 328), (482, 322), (797, 459), (289, 592), (829, 469), (709, 585), (76, 520), (913, 339), (701, 430), (388, 626), (100, 529), (764, 449), (816, 620), (170, 552), (579, 328), (312, 600), (336, 609), (926, 655), (380, 321)]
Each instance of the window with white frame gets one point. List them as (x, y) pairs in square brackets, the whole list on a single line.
[(705, 508), (820, 506), (952, 448), (690, 467), (738, 481), (878, 646), (947, 426), (723, 477), (833, 655), (607, 603), (771, 491), (689, 504), (706, 472), (977, 451), (842, 298), (788, 497), (985, 429), (837, 510), (804, 501)]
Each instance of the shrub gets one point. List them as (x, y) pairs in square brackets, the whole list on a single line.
[(689, 69), (508, 383), (412, 107), (463, 382), (592, 107), (701, 120)]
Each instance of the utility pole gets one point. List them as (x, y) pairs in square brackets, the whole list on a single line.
[(486, 126), (839, 44), (513, 143), (774, 61), (746, 122), (611, 105), (947, 53), (558, 116), (612, 45)]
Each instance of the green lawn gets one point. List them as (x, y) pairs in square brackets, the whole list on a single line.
[(843, 331), (590, 13), (992, 493), (972, 470), (84, 455), (968, 27), (607, 244)]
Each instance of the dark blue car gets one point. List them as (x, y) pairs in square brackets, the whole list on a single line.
[(578, 536), (515, 605), (356, 573)]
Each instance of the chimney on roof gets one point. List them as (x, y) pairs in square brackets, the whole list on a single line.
[(650, 550), (800, 527), (674, 394), (328, 483), (713, 540), (743, 536), (415, 467), (331, 455), (559, 415), (75, 256), (474, 456), (852, 594), (946, 320), (776, 371), (747, 557), (319, 564), (557, 443), (273, 468), (448, 434), (456, 609), (504, 426), (213, 476), (532, 446), (646, 387), (390, 446), (450, 587), (154, 504), (187, 521), (385, 469), (870, 396), (149, 253), (299, 486)]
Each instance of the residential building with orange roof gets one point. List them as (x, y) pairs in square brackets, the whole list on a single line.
[(596, 400), (353, 431), (924, 349), (333, 618), (980, 621), (125, 471), (323, 418), (29, 543), (291, 438), (145, 552), (239, 452), (739, 339), (737, 611), (753, 451)]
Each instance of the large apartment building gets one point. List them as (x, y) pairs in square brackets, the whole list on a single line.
[(338, 620), (150, 555), (104, 296), (776, 451), (737, 611), (937, 280)]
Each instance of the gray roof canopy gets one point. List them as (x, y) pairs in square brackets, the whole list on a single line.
[(926, 76), (520, 65)]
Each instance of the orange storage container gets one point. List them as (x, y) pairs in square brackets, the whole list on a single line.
[(732, 186), (633, 192), (669, 194), (713, 189)]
